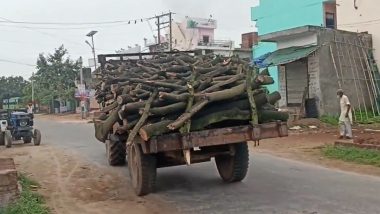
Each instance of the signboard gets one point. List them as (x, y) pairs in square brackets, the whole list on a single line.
[(82, 92)]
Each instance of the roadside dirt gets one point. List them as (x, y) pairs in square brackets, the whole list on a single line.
[(73, 186), (64, 118), (307, 145)]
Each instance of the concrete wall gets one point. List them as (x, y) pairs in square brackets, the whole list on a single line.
[(275, 15), (349, 73), (314, 78), (361, 19), (9, 191), (311, 39)]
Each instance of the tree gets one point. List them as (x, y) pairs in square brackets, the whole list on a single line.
[(55, 77), (11, 87)]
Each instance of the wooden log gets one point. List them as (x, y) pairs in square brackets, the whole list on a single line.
[(274, 97), (158, 84), (265, 72), (103, 128), (172, 108), (155, 129), (216, 117), (109, 108), (132, 108), (269, 116), (178, 69), (124, 99), (187, 115), (142, 119), (253, 107), (174, 97), (223, 83)]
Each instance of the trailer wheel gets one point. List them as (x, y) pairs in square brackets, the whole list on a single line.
[(142, 170), (234, 168), (116, 152), (8, 139), (2, 140), (36, 137)]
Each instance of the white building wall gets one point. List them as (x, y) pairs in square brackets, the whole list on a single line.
[(303, 40), (363, 18)]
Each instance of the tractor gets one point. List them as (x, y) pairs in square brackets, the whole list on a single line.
[(17, 125)]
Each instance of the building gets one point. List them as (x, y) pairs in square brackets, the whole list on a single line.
[(274, 15), (248, 40), (314, 62), (361, 16), (196, 34)]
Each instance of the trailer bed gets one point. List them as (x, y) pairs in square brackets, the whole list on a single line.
[(214, 137)]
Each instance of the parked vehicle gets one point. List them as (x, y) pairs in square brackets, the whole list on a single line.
[(18, 125)]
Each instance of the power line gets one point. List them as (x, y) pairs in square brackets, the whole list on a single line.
[(15, 62), (129, 21)]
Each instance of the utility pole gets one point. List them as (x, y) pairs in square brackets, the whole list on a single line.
[(170, 32), (80, 88), (163, 24), (159, 30), (34, 105)]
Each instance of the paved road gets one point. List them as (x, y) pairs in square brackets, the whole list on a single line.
[(274, 185)]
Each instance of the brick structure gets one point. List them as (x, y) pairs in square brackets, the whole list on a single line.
[(9, 191), (248, 40)]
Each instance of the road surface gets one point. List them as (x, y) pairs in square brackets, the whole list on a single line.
[(273, 185)]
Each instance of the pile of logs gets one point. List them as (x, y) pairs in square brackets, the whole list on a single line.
[(181, 93)]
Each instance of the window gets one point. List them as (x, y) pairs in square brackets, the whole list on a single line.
[(330, 20), (206, 39)]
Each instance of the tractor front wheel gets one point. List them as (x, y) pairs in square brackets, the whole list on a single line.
[(37, 137), (8, 139), (2, 140)]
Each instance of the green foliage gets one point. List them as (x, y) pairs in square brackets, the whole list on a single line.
[(369, 118), (30, 202), (352, 154), (331, 120), (11, 86), (55, 77)]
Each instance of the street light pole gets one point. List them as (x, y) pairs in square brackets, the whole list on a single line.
[(91, 34)]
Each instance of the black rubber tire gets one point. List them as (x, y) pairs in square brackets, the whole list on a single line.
[(27, 139), (8, 139), (142, 170), (2, 140), (234, 168), (116, 152), (36, 137)]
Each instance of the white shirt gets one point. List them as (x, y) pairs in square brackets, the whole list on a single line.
[(30, 109), (344, 103)]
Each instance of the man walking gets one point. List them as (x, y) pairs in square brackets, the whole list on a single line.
[(345, 119)]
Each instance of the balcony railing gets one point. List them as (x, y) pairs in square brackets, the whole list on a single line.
[(217, 43)]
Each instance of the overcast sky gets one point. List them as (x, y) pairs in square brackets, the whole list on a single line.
[(22, 43)]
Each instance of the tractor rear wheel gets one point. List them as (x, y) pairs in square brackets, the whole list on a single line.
[(116, 152), (142, 170), (234, 168), (36, 137), (8, 139)]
